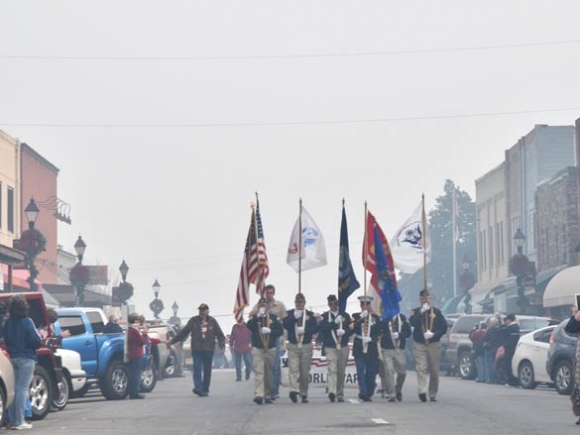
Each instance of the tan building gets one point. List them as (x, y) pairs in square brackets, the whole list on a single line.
[(10, 207), (492, 235)]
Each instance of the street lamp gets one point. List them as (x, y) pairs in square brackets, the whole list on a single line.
[(175, 307), (519, 265), (157, 304), (79, 274), (32, 242), (466, 282), (124, 269), (124, 291)]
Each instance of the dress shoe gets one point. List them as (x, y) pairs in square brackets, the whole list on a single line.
[(423, 397), (392, 399), (268, 401), (340, 399), (332, 397), (258, 400), (238, 380), (432, 399), (196, 391), (399, 396), (293, 396), (367, 399), (361, 396), (204, 394), (137, 396), (304, 399)]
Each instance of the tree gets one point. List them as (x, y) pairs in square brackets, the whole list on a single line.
[(440, 269)]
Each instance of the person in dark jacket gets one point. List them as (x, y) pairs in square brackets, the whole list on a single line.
[(476, 336), (266, 330), (429, 325), (335, 334), (491, 342), (112, 327), (366, 328), (22, 340), (204, 331), (395, 332), (301, 326), (510, 335)]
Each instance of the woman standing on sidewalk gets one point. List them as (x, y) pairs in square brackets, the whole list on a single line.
[(22, 340), (573, 327)]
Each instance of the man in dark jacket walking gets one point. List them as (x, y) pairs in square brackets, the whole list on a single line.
[(395, 332), (510, 335), (204, 331)]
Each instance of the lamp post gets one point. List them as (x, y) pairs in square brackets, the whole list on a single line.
[(157, 304), (124, 291), (466, 281), (174, 320), (79, 274), (519, 265), (32, 242), (175, 307)]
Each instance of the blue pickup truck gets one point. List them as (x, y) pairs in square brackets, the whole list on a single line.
[(101, 354)]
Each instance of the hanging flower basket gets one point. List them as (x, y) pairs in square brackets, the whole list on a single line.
[(519, 264), (125, 292), (32, 242), (156, 306), (79, 275)]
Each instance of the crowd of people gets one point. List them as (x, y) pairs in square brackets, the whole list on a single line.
[(378, 345)]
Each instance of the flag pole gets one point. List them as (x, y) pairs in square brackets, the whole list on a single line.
[(424, 221), (454, 241), (366, 248), (300, 248), (255, 224)]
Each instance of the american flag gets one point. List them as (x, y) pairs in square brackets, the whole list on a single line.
[(254, 268)]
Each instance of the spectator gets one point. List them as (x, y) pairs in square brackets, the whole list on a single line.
[(476, 336), (113, 326), (22, 340), (134, 342), (510, 335), (241, 346), (491, 342), (573, 327)]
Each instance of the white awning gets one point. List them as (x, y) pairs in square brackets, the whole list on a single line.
[(562, 288)]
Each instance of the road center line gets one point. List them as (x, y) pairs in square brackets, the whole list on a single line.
[(379, 421)]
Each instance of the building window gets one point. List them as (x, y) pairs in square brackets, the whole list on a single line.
[(10, 210), (484, 245), (501, 242), (490, 236)]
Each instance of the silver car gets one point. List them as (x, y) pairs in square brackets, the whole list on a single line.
[(6, 384)]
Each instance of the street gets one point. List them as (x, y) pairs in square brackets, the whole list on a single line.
[(461, 407)]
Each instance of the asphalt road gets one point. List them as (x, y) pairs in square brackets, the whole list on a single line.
[(462, 407)]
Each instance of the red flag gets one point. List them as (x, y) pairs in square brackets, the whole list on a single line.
[(255, 267), (369, 251)]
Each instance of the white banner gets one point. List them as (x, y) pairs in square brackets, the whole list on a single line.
[(313, 252), (409, 244)]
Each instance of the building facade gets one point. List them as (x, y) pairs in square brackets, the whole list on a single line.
[(39, 181), (10, 193)]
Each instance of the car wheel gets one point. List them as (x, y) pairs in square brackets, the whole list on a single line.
[(564, 380), (526, 376), (40, 393), (465, 365), (63, 391), (115, 384), (2, 406), (169, 370), (148, 378)]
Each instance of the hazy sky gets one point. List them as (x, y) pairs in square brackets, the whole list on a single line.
[(165, 117)]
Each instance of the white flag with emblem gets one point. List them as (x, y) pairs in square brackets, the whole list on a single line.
[(409, 244), (313, 252)]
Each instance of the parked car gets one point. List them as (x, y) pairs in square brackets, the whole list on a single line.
[(73, 380), (161, 351), (529, 361), (560, 359), (459, 345), (6, 384), (48, 372)]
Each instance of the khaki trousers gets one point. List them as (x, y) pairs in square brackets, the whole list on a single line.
[(263, 363), (427, 357), (337, 360), (395, 364), (299, 363)]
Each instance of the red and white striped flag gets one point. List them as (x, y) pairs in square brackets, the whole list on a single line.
[(255, 267)]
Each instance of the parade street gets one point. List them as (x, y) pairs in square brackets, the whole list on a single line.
[(462, 407)]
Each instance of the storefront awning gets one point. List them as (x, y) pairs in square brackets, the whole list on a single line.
[(562, 288)]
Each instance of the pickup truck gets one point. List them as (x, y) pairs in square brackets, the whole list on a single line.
[(101, 354), (45, 387)]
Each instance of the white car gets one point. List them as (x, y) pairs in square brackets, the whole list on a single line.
[(7, 383), (529, 362), (74, 377)]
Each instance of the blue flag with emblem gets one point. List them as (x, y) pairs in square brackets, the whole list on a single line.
[(347, 282), (390, 295)]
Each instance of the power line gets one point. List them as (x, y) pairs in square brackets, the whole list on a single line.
[(287, 123), (287, 56)]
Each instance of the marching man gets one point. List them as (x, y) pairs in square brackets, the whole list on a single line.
[(301, 326), (334, 328), (366, 327), (394, 335)]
